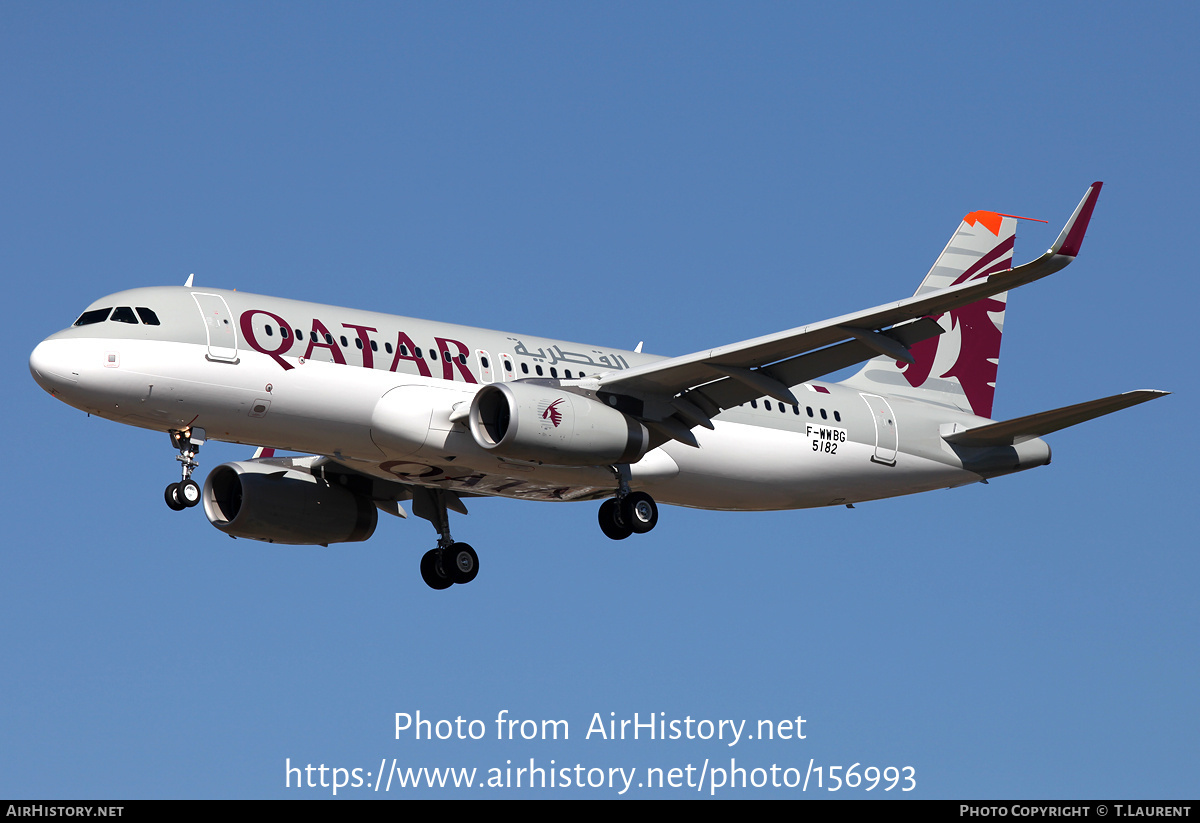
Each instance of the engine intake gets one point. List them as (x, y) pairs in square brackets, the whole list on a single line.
[(276, 504), (543, 424)]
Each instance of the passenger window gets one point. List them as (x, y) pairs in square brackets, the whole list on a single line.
[(93, 316), (375, 347), (824, 416), (386, 346), (483, 361), (539, 370), (283, 332), (358, 342), (270, 331), (568, 374), (553, 372), (796, 409), (508, 365), (754, 404), (525, 368), (767, 405), (346, 342), (148, 316), (809, 410), (123, 314), (837, 416)]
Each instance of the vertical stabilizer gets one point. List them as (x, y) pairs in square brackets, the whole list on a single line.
[(957, 368)]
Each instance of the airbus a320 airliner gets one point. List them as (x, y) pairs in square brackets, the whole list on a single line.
[(390, 409)]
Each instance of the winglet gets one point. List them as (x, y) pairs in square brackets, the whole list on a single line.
[(1071, 237), (188, 284)]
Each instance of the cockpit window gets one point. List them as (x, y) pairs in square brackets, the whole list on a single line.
[(93, 316), (123, 314), (148, 316)]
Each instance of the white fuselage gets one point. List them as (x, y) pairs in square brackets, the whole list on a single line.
[(222, 360)]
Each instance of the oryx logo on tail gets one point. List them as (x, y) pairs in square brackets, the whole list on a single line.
[(961, 364)]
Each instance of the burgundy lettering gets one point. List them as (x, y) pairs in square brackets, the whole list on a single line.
[(321, 332), (448, 367), (368, 355), (466, 479), (405, 350), (405, 469), (285, 343)]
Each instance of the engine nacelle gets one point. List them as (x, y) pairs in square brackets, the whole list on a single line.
[(542, 424), (277, 504)]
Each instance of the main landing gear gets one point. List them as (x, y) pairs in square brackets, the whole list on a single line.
[(629, 512), (450, 562), (185, 493)]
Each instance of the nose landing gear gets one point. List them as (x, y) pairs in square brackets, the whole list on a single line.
[(185, 493)]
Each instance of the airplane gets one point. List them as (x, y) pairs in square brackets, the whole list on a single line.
[(385, 409)]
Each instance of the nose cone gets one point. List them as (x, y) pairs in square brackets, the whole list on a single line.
[(51, 368)]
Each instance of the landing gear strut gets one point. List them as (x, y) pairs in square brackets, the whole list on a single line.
[(185, 493), (450, 562), (629, 512)]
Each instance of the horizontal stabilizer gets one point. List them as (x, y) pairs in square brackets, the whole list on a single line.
[(1009, 432)]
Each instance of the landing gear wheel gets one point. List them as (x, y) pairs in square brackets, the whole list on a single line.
[(611, 522), (188, 493), (431, 571), (460, 562), (639, 511), (172, 498)]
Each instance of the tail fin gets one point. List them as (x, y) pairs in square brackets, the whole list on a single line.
[(958, 367)]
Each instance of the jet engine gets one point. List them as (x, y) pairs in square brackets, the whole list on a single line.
[(543, 424), (278, 504)]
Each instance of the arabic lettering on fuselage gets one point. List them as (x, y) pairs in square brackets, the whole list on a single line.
[(452, 354), (555, 354)]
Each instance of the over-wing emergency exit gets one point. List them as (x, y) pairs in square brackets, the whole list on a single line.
[(388, 409)]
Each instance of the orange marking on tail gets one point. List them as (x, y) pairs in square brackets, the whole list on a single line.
[(990, 220)]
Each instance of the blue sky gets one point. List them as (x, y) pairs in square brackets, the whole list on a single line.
[(684, 174)]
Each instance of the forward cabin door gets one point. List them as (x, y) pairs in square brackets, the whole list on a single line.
[(219, 326)]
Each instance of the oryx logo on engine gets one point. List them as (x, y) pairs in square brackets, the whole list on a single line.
[(552, 413)]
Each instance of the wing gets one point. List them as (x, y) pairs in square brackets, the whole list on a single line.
[(691, 389)]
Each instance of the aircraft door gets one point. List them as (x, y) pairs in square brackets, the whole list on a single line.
[(886, 436), (219, 326)]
